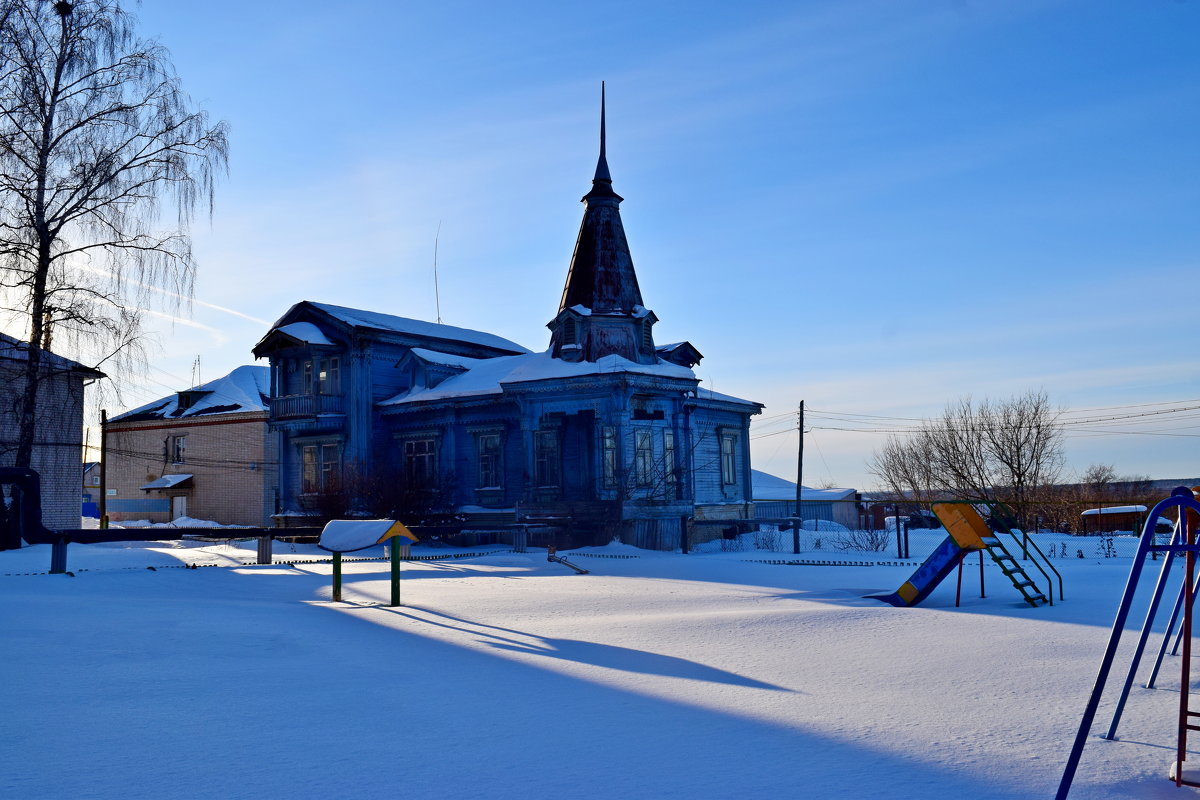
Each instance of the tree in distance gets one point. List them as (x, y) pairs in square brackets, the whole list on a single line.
[(1006, 450)]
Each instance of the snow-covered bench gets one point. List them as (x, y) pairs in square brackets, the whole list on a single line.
[(350, 535)]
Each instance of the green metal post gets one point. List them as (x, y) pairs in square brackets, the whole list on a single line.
[(395, 545), (337, 577)]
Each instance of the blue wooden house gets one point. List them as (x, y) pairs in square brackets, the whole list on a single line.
[(605, 431)]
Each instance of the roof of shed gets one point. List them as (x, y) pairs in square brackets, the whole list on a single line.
[(167, 482), (765, 486)]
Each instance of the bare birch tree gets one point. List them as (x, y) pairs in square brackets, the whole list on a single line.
[(103, 162), (994, 450)]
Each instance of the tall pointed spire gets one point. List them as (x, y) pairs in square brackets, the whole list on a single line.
[(602, 173), (601, 283), (602, 183)]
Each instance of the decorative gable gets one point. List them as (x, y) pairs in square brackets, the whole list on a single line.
[(424, 369)]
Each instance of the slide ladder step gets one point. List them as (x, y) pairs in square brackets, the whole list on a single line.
[(1020, 579)]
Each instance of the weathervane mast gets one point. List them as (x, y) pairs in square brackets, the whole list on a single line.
[(602, 173)]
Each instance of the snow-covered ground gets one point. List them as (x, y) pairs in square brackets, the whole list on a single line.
[(710, 675)]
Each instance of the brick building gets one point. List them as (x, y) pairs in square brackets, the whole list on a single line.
[(58, 439), (203, 453)]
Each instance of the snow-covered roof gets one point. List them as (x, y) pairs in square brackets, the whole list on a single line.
[(304, 332), (348, 535), (764, 486), (489, 375), (1091, 512), (389, 322), (167, 481), (13, 349), (708, 394), (243, 390), (445, 359)]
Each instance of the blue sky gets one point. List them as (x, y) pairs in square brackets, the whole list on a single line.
[(876, 207)]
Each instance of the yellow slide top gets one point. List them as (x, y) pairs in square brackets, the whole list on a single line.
[(963, 522)]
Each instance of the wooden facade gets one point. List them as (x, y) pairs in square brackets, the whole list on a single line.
[(603, 431)]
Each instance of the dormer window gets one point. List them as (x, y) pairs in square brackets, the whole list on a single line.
[(647, 336), (186, 400), (570, 332)]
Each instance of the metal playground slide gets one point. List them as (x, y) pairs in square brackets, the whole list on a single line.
[(968, 533)]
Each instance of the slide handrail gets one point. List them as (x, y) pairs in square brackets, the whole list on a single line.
[(1024, 543)]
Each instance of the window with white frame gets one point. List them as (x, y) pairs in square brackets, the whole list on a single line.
[(547, 459), (178, 449), (728, 459)]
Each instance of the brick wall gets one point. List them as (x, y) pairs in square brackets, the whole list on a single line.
[(58, 443), (231, 457)]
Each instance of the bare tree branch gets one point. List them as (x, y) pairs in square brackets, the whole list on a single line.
[(97, 140)]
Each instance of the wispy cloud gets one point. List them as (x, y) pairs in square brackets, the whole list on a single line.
[(218, 337)]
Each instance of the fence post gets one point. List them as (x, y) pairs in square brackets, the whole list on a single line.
[(394, 546), (264, 549), (520, 538), (796, 535), (981, 592), (58, 556), (684, 543)]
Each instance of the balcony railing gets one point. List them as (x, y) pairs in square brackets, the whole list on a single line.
[(307, 405)]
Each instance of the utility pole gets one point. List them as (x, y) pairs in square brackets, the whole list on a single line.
[(799, 478), (103, 468)]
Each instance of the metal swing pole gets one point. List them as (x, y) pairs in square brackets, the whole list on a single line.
[(1185, 663), (1179, 635), (1159, 586), (1179, 497), (1162, 650)]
